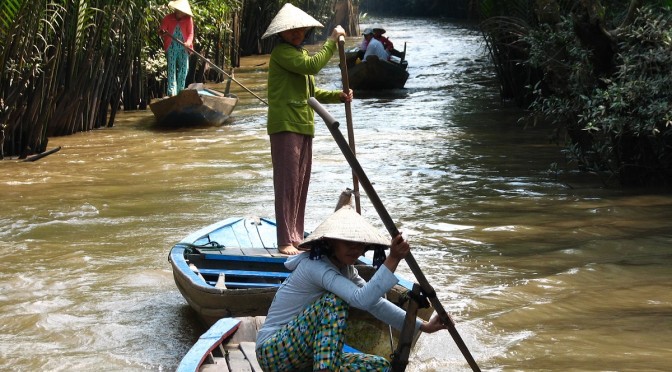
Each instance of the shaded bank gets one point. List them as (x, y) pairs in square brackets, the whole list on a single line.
[(598, 74)]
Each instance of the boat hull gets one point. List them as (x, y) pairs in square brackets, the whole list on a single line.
[(194, 107), (376, 74)]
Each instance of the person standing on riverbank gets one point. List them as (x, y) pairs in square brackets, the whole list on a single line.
[(180, 25), (291, 122)]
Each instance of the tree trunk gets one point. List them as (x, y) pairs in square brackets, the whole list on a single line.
[(589, 28), (347, 15)]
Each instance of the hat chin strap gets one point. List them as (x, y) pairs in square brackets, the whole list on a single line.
[(316, 252), (378, 256)]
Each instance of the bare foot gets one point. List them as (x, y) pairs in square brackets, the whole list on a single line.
[(288, 250)]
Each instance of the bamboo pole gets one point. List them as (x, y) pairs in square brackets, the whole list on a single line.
[(427, 288)]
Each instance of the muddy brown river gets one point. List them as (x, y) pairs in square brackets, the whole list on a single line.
[(541, 271)]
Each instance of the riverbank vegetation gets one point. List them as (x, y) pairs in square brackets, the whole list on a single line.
[(69, 66), (599, 72)]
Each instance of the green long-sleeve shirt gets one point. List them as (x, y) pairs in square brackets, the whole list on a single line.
[(290, 82)]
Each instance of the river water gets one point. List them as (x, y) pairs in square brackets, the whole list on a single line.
[(541, 271)]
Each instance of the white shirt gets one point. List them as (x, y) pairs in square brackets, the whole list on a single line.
[(376, 48)]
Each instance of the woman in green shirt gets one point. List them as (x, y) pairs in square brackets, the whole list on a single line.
[(291, 122)]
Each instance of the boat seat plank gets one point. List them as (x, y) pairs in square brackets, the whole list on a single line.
[(233, 285), (220, 364), (258, 259), (247, 331), (237, 361), (245, 273), (255, 252), (249, 349), (275, 253), (259, 321)]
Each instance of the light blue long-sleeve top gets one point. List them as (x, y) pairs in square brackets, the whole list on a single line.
[(310, 279)]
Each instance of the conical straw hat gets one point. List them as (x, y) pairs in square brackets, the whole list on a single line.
[(288, 18), (182, 6), (346, 224)]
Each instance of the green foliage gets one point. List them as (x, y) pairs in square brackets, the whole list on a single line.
[(621, 124), (212, 17), (9, 9)]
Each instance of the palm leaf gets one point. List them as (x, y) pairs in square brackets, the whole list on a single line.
[(8, 12)]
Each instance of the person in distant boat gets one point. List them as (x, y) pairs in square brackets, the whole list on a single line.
[(389, 47), (377, 49), (180, 25), (305, 325), (291, 122), (367, 34)]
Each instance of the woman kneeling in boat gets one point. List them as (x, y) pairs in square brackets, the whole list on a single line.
[(306, 323)]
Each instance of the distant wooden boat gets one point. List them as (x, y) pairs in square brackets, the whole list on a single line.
[(194, 106), (232, 268), (376, 74), (229, 345)]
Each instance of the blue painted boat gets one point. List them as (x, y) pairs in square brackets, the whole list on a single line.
[(241, 254), (232, 268)]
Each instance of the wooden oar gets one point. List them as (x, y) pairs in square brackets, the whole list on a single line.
[(351, 135), (348, 116), (216, 67), (427, 289)]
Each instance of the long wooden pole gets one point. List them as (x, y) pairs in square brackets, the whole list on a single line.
[(216, 67), (348, 117), (427, 289)]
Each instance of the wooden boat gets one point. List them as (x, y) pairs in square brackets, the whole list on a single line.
[(229, 345), (194, 106), (376, 74), (232, 268)]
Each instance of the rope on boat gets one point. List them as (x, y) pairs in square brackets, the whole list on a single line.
[(197, 248)]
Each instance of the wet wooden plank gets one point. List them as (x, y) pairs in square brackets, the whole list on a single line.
[(247, 331), (249, 349), (255, 252), (220, 365), (274, 252), (237, 361)]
